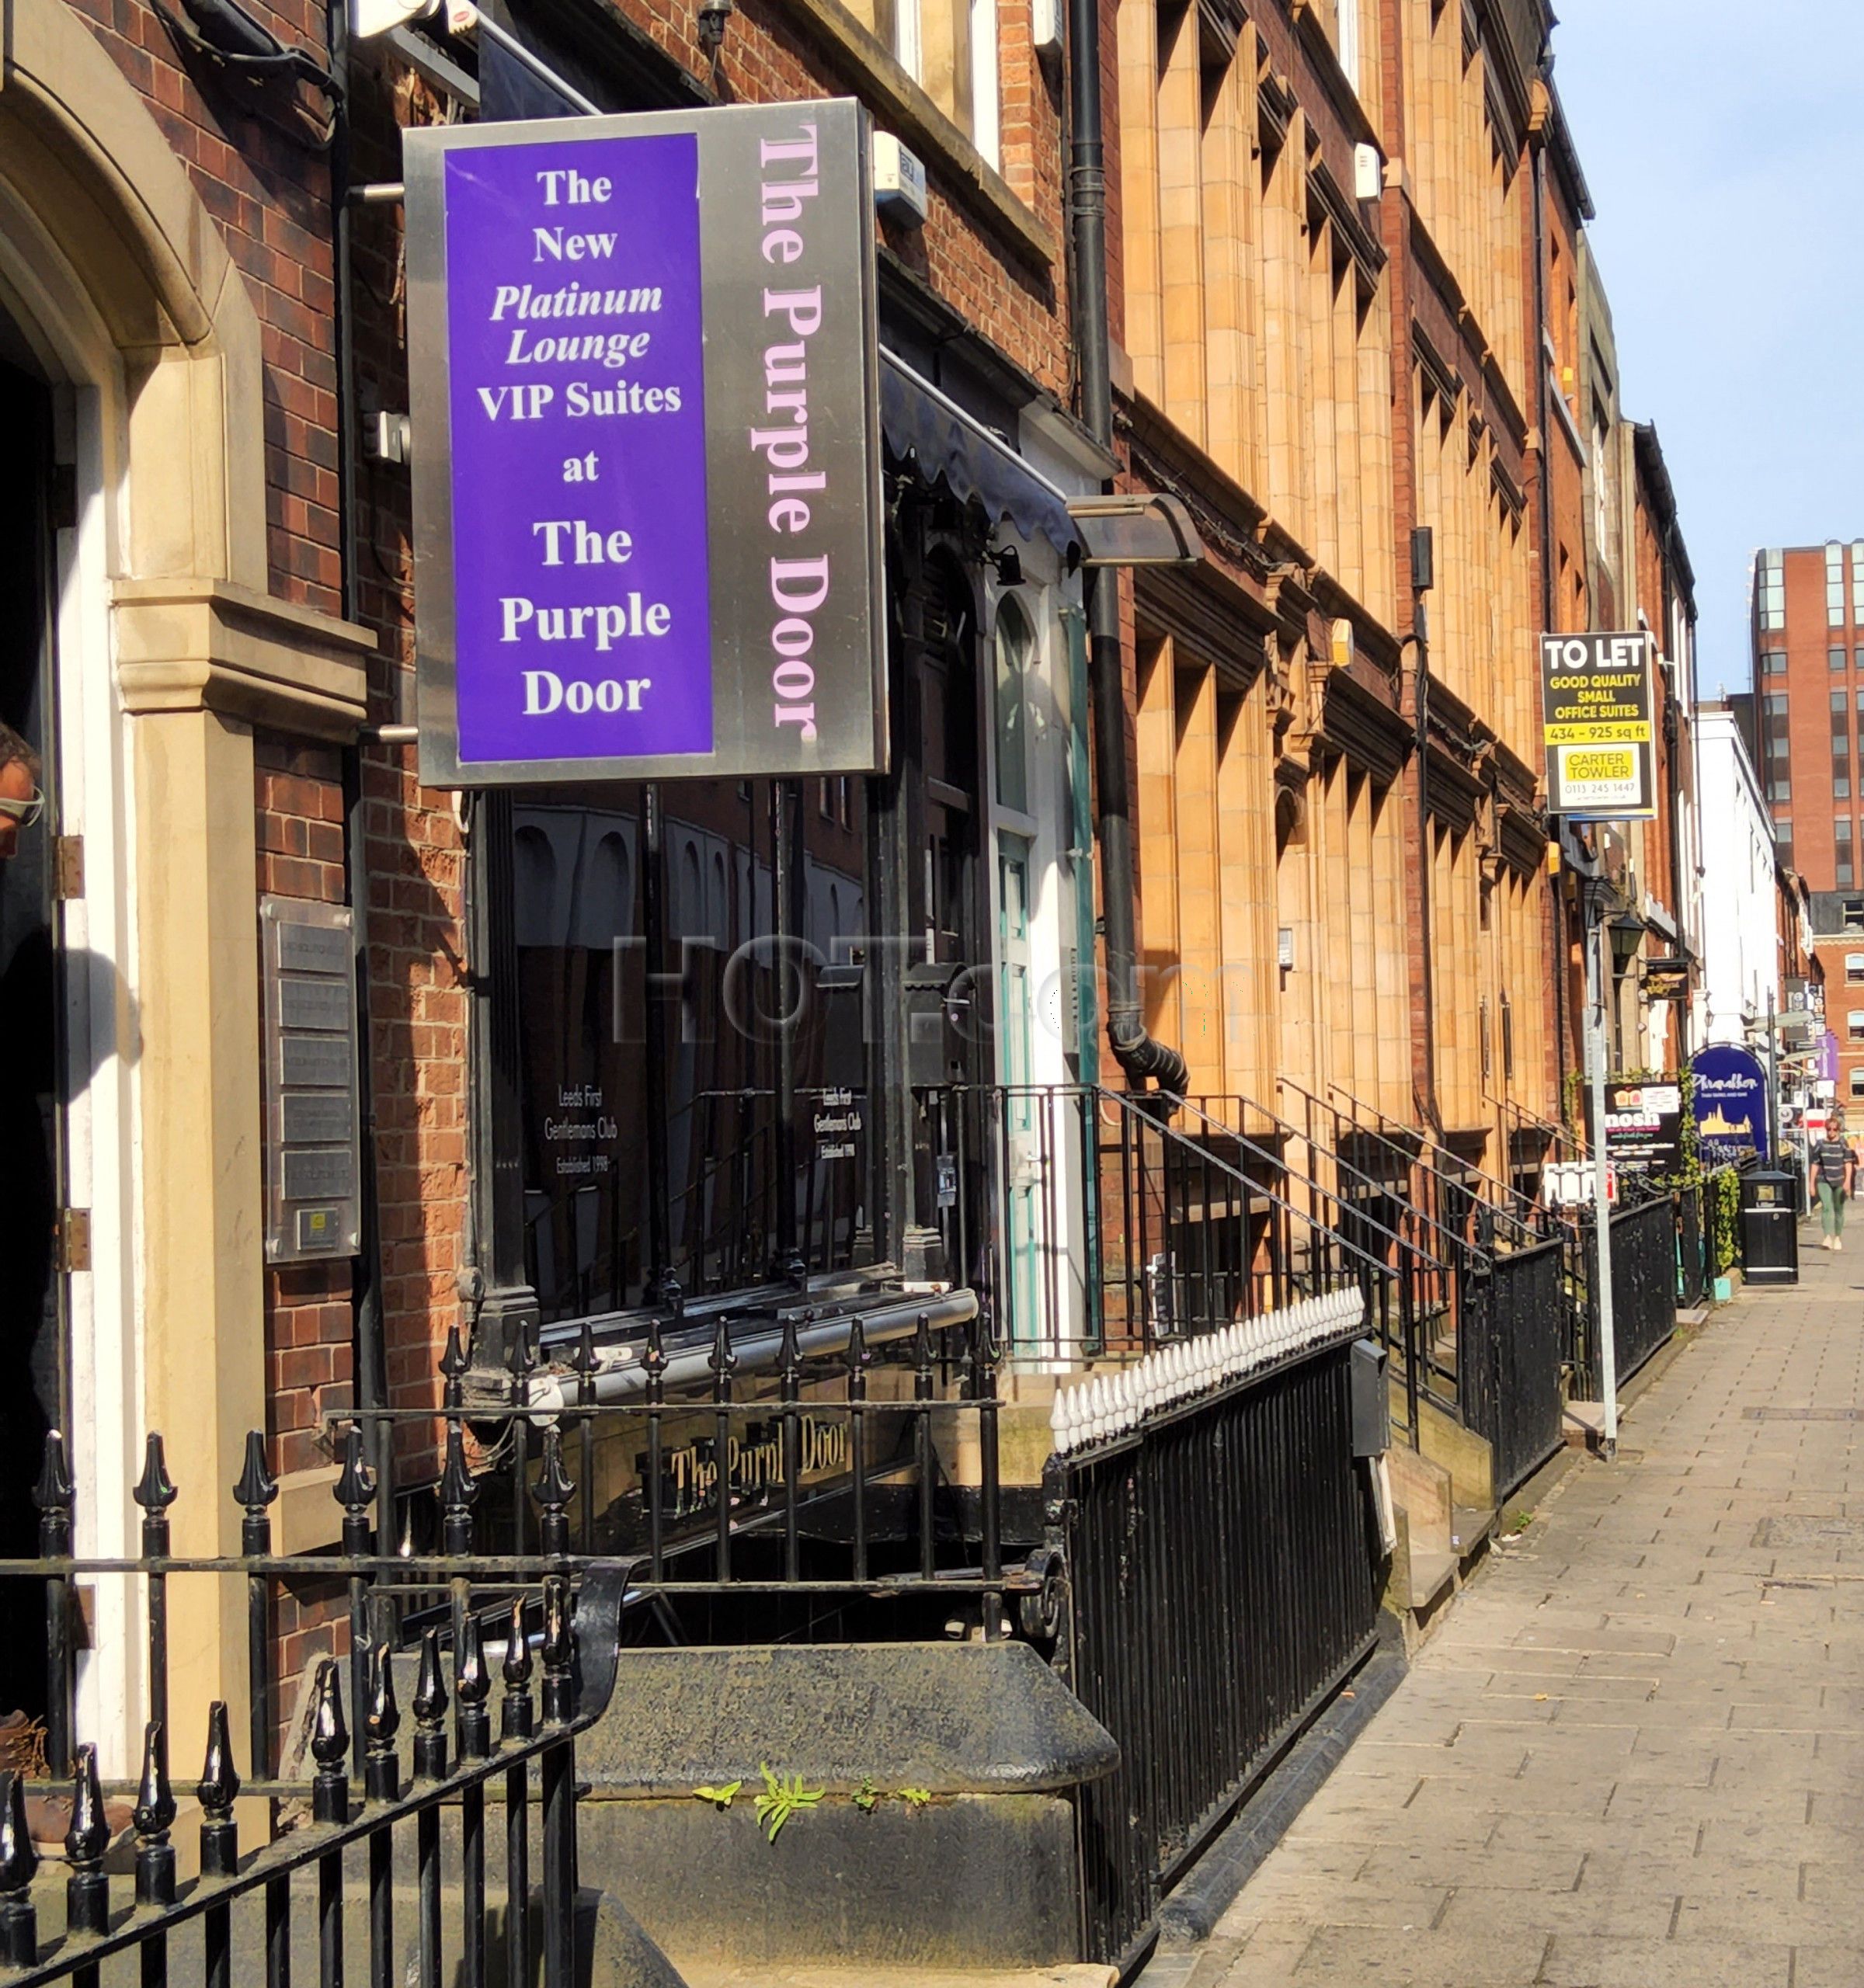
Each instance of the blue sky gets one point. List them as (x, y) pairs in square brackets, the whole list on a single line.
[(1724, 147)]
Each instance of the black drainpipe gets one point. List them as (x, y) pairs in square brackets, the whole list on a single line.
[(366, 1287), (1138, 1054), (1543, 414)]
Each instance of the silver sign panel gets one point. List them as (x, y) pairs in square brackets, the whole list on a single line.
[(312, 1154), (605, 586)]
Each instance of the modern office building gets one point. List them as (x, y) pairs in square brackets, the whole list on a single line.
[(1808, 637)]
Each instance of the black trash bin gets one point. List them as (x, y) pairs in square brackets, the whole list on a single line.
[(1770, 1225)]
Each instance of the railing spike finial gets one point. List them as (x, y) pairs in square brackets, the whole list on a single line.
[(356, 1481), (1058, 1422), (559, 1653), (453, 1368), (469, 1686), (153, 1817), (89, 1835), (515, 1709), (19, 1919), (554, 1490), (354, 1490), (585, 1363), (430, 1712), (218, 1790), (219, 1780), (53, 1493), (154, 1490), (458, 1491), (382, 1770), (723, 1358), (517, 1666), (87, 1889), (330, 1747), (257, 1487)]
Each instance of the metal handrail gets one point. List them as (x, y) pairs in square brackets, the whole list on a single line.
[(1342, 1164), (1555, 1132), (1466, 1170), (1253, 1185)]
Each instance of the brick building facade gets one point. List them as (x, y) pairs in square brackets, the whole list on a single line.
[(1808, 650), (224, 699), (1359, 303), (1341, 236)]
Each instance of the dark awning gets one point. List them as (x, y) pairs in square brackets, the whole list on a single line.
[(928, 428)]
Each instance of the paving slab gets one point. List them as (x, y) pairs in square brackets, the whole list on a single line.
[(1632, 1754)]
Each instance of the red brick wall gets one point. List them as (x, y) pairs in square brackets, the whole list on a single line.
[(299, 798), (308, 1322), (417, 947), (270, 194), (1809, 682)]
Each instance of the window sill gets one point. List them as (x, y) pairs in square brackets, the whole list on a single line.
[(905, 109)]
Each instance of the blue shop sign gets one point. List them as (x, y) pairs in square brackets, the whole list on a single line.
[(1730, 1104)]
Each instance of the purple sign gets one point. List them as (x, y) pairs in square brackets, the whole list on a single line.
[(577, 355), (647, 514)]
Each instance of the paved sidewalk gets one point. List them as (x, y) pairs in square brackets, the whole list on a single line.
[(1633, 1756)]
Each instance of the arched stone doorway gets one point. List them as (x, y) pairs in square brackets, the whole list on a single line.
[(166, 649)]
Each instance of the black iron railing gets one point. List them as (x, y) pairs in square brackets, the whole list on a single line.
[(1692, 1271), (1141, 1232), (413, 1624), (1450, 1190), (836, 1449), (1218, 1586), (1644, 1292), (1513, 1346), (1352, 1218)]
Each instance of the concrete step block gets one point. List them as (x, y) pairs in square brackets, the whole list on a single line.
[(1422, 1488)]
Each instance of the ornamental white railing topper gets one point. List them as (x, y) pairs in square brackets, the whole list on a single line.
[(1114, 1404)]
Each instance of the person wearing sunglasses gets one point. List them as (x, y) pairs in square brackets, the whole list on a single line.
[(21, 801)]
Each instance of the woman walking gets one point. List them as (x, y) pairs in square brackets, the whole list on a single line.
[(1832, 1167)]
